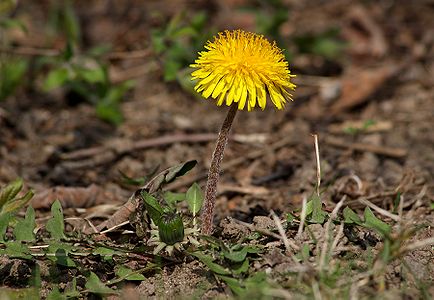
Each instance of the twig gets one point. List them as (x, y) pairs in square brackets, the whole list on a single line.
[(114, 227), (289, 245), (30, 51), (130, 54), (260, 230), (318, 164), (386, 151), (418, 244), (380, 210)]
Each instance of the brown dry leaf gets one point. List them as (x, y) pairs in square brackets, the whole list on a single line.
[(359, 84), (73, 197)]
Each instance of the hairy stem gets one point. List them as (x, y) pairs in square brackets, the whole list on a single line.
[(214, 171)]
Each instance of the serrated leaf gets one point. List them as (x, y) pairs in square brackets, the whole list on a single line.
[(208, 261), (152, 206), (9, 192), (351, 217), (4, 222), (371, 221), (23, 231), (15, 249), (128, 274), (94, 285), (55, 226), (194, 197)]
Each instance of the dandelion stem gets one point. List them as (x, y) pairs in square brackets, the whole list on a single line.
[(214, 171)]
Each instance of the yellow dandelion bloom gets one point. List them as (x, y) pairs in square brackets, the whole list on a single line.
[(243, 67)]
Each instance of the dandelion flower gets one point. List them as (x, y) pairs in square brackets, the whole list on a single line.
[(242, 67), (239, 69)]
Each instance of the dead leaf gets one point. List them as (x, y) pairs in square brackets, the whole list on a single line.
[(73, 197), (359, 84)]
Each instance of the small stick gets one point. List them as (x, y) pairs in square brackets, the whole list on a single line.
[(418, 245), (318, 165)]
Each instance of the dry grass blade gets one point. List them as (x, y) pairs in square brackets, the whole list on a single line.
[(380, 210), (324, 249), (289, 245)]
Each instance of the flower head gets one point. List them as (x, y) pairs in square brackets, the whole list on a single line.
[(241, 67)]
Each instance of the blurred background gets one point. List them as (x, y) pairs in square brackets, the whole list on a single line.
[(92, 92)]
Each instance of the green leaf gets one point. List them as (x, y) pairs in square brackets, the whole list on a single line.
[(371, 221), (234, 284), (55, 226), (9, 192), (194, 198), (15, 249), (24, 229), (128, 274), (208, 261), (55, 79), (351, 217), (105, 253), (289, 218), (18, 203), (94, 285), (168, 175), (96, 75), (318, 215), (4, 222), (173, 198), (55, 294), (236, 256), (59, 253), (71, 291), (11, 74), (153, 208), (244, 267), (305, 252), (179, 170)]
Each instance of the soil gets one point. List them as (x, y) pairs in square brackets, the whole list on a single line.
[(384, 76)]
